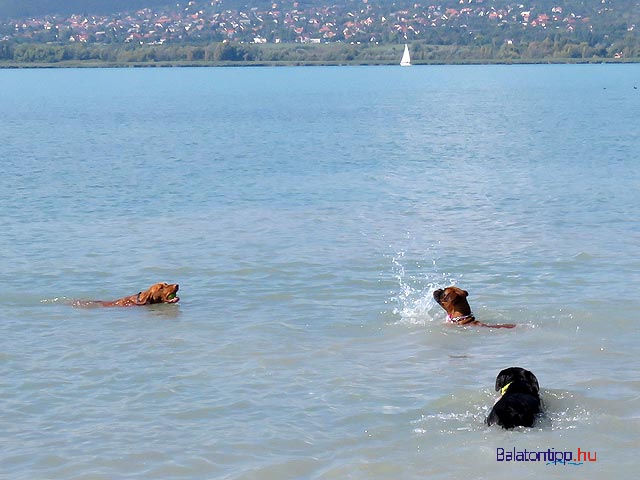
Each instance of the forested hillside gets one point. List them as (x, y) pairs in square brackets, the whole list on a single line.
[(31, 8)]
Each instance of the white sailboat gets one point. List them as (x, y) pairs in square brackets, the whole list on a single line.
[(406, 57)]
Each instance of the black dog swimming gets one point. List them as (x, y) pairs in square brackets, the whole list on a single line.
[(520, 402)]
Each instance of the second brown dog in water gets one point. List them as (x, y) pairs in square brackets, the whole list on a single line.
[(157, 293), (454, 302)]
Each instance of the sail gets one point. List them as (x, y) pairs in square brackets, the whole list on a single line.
[(406, 58)]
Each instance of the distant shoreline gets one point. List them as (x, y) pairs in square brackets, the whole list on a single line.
[(207, 64), (225, 54)]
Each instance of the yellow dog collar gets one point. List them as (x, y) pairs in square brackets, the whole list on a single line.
[(504, 389)]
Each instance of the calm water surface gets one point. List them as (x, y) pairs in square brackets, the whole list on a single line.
[(308, 214)]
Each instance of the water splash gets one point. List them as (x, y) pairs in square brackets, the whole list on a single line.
[(56, 300), (466, 410), (451, 422), (416, 281), (566, 410)]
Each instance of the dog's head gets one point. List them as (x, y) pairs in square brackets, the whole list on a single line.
[(453, 300), (160, 293), (519, 379)]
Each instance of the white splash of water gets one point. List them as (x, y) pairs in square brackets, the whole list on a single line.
[(413, 299)]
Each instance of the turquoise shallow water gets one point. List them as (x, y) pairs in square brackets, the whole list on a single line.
[(308, 214)]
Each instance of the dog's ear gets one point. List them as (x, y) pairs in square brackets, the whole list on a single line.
[(500, 382), (465, 294), (502, 379), (153, 293)]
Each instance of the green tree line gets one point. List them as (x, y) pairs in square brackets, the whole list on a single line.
[(549, 49)]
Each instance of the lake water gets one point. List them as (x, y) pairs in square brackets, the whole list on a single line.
[(308, 214)]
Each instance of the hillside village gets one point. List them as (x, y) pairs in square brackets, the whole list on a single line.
[(361, 21)]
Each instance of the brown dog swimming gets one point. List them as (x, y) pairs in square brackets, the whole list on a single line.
[(157, 293), (454, 302)]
